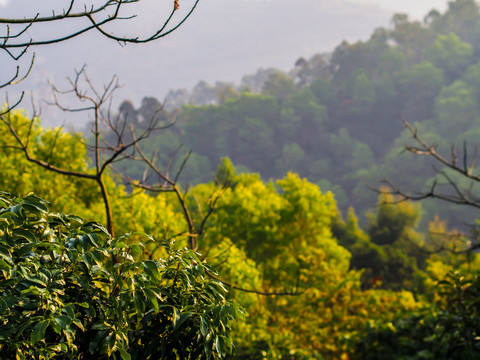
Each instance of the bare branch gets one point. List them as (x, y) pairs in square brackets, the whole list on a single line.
[(429, 150), (254, 291), (451, 191), (5, 119), (21, 34), (109, 11)]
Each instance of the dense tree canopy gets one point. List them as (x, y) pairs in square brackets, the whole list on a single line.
[(63, 296), (263, 238)]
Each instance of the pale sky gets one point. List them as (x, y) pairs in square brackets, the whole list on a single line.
[(416, 8), (224, 40)]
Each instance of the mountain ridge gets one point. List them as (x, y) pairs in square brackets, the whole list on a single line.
[(223, 40)]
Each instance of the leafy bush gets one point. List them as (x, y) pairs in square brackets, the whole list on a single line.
[(70, 291), (449, 331)]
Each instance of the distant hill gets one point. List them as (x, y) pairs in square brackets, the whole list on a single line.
[(335, 118), (223, 40)]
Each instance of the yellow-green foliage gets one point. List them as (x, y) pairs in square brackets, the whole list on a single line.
[(268, 237), (153, 215), (20, 176), (281, 233)]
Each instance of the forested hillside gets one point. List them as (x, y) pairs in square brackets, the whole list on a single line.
[(335, 118), (311, 284)]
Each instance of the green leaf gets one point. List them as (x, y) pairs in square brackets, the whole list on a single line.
[(97, 341), (78, 323), (223, 311), (57, 218), (229, 342), (25, 251), (33, 290), (220, 346), (151, 267), (203, 326), (200, 270), (136, 249), (183, 317), (152, 298), (5, 253), (4, 265), (76, 221), (139, 303), (100, 326), (69, 310), (125, 355), (35, 280), (207, 347), (72, 254), (176, 316), (63, 321), (38, 332), (96, 226), (3, 306), (15, 213), (35, 201), (93, 239), (86, 257), (31, 209), (25, 234)]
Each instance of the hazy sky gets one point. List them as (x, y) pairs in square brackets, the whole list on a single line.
[(416, 8), (222, 41)]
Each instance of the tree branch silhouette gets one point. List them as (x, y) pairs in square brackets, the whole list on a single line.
[(444, 187), (19, 34), (105, 153)]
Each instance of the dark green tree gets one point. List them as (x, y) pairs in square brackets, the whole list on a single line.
[(63, 297), (450, 54)]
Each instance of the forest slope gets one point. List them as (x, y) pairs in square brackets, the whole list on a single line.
[(335, 118)]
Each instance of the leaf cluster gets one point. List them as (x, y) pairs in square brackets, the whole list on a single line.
[(63, 296), (449, 330)]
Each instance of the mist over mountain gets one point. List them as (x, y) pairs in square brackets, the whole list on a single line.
[(223, 40), (416, 9)]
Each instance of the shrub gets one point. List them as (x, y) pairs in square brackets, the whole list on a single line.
[(449, 330), (70, 291)]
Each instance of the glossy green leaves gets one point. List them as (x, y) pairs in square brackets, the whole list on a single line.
[(68, 290)]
